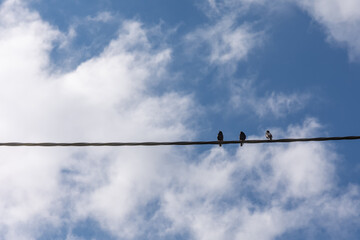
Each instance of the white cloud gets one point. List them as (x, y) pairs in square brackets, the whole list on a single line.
[(244, 98), (221, 5), (259, 191), (30, 178), (340, 19), (218, 8), (264, 191), (106, 98), (227, 42), (101, 17)]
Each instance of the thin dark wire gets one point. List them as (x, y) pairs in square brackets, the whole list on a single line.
[(99, 144)]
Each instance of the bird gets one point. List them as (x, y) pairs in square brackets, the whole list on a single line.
[(268, 135), (220, 137), (242, 137)]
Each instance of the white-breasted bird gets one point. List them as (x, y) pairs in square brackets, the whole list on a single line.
[(268, 135)]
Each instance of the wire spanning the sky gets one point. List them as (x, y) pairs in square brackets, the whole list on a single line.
[(118, 144)]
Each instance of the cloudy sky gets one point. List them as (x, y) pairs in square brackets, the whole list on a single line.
[(179, 70)]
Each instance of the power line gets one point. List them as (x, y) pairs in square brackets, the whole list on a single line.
[(118, 144)]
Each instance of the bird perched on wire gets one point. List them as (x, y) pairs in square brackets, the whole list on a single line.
[(268, 135), (220, 137), (242, 137)]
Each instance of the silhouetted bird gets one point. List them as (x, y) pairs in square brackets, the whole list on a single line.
[(268, 135), (220, 137), (242, 137)]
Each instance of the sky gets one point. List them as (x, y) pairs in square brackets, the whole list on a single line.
[(160, 70)]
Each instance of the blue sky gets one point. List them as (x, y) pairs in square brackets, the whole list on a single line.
[(179, 70)]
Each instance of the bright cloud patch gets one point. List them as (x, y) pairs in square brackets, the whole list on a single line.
[(227, 42), (245, 98), (260, 191), (341, 19), (106, 98)]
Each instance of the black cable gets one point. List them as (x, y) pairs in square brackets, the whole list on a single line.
[(98, 144)]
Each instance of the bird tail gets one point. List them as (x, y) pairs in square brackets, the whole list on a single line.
[(220, 144), (241, 144)]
